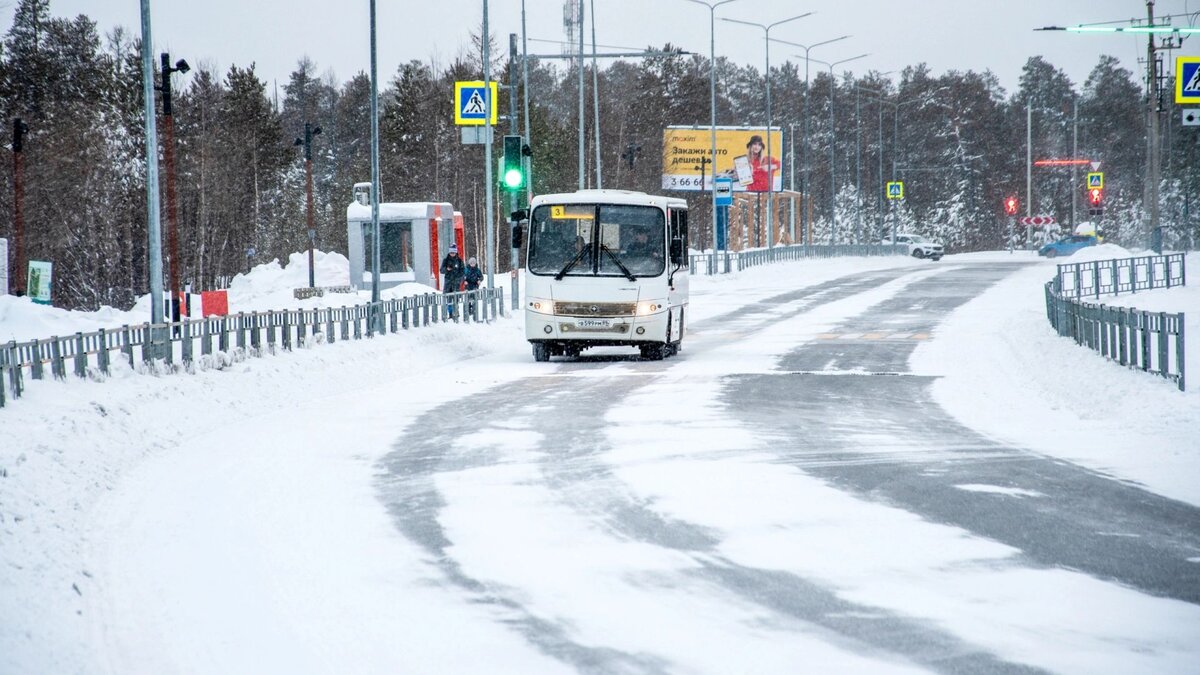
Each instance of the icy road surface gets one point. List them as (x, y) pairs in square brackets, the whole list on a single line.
[(794, 492)]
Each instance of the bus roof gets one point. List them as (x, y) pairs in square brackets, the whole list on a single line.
[(609, 197)]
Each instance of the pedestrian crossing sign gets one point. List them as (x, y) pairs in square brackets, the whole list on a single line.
[(1187, 79), (895, 189), (472, 103), (1095, 180)]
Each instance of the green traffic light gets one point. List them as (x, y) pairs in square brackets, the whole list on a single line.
[(513, 178)]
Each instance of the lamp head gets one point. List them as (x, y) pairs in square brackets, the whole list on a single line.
[(182, 66)]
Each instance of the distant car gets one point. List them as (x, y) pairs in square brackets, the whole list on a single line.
[(1068, 245), (920, 246)]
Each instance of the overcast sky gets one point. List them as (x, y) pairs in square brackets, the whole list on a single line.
[(946, 34)]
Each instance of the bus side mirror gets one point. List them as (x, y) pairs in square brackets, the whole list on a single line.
[(517, 236), (676, 251)]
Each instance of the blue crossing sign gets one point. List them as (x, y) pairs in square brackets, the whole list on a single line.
[(895, 189), (1187, 79), (1095, 179), (472, 103)]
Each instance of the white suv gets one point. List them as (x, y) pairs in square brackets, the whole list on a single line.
[(920, 246)]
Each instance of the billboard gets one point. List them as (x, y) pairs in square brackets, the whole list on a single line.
[(741, 155)]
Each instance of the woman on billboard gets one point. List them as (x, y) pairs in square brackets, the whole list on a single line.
[(762, 169)]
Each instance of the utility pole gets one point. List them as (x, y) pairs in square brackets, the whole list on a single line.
[(18, 144), (376, 314), (1029, 157), (596, 100), (1154, 150), (154, 268), (1074, 155), (181, 66), (857, 165), (582, 124), (309, 132)]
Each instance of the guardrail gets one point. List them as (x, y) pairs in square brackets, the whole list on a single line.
[(725, 262), (1149, 341), (253, 333), (1120, 275)]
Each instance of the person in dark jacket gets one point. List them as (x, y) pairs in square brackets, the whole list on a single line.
[(473, 276), (452, 275)]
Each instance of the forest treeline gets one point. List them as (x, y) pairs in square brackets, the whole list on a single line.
[(958, 143)]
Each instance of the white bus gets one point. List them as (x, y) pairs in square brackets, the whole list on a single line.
[(606, 268)]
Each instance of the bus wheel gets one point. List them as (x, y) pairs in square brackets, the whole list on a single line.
[(541, 352), (655, 351)]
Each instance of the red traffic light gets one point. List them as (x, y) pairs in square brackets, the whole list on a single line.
[(1095, 196), (1010, 206)]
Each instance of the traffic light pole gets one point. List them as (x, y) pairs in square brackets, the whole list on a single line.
[(514, 128)]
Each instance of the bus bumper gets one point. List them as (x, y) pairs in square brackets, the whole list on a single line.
[(626, 330)]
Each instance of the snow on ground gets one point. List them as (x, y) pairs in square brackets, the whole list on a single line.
[(1007, 374), (303, 572), (267, 286)]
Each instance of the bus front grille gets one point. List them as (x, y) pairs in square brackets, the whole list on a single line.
[(595, 308)]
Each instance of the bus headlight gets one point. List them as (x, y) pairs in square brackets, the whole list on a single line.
[(646, 307), (540, 305)]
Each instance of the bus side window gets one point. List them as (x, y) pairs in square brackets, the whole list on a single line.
[(678, 236)]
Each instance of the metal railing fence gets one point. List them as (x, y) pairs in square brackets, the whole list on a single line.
[(726, 262), (1120, 275), (249, 332), (1149, 341)]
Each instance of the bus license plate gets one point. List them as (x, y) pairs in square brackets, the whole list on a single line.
[(594, 323)]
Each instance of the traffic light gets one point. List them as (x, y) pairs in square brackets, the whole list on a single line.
[(1095, 201), (1010, 205), (512, 172)]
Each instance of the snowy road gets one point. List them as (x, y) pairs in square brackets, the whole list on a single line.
[(793, 493), (787, 493)]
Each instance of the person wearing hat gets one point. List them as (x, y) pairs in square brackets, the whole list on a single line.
[(473, 277), (452, 274), (762, 178)]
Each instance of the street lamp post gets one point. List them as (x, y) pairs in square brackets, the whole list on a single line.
[(309, 132), (767, 74), (180, 66), (832, 144), (712, 89), (807, 188)]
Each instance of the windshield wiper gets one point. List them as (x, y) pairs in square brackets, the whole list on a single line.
[(578, 256), (615, 259)]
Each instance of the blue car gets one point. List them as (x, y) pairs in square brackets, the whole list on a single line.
[(1068, 245)]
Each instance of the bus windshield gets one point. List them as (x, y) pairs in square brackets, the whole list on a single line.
[(597, 240)]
